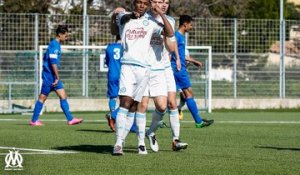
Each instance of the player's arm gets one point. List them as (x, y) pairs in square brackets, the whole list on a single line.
[(126, 17), (53, 55), (168, 29), (178, 63), (197, 63), (169, 43), (55, 70), (113, 22)]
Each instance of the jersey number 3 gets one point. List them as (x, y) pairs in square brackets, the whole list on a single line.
[(117, 53)]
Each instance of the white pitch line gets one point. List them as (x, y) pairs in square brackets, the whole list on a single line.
[(39, 150), (35, 153), (216, 121)]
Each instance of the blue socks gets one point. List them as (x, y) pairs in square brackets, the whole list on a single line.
[(114, 114), (191, 104), (133, 127), (37, 110), (65, 107), (112, 104)]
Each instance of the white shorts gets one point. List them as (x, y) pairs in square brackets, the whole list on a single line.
[(157, 85), (133, 81), (171, 84)]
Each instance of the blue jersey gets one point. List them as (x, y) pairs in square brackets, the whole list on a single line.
[(181, 50), (113, 55), (52, 56)]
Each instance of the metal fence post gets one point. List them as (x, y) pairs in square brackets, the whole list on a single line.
[(9, 98), (282, 53), (235, 59), (87, 57), (36, 49)]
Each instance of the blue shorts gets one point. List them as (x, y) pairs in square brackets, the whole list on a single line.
[(182, 79), (47, 87), (113, 89)]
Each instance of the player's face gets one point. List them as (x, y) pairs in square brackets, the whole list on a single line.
[(158, 3), (63, 36), (165, 6), (141, 6), (188, 26)]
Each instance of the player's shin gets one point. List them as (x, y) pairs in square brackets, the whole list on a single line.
[(175, 124), (140, 119), (120, 125), (128, 124), (37, 110), (192, 106), (157, 118), (65, 107)]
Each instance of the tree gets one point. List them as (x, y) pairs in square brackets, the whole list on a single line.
[(28, 6)]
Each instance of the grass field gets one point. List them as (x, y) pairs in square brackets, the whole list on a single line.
[(240, 142)]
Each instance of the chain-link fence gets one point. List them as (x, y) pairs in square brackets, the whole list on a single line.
[(246, 57)]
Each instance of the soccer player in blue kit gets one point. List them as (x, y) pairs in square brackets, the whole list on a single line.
[(181, 76), (51, 79), (113, 53)]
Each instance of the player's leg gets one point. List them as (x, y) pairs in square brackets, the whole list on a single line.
[(177, 144), (129, 120), (192, 106), (112, 93), (181, 104), (37, 110), (127, 81), (46, 89), (140, 119), (61, 93), (158, 91)]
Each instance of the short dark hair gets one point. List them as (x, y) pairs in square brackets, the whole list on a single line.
[(185, 19), (61, 29)]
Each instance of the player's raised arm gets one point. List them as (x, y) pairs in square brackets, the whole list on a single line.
[(168, 30)]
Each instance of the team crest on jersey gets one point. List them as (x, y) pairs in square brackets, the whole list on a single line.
[(123, 90), (146, 22)]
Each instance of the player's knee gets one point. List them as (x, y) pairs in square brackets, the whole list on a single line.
[(142, 107), (172, 105), (126, 102), (161, 108), (42, 98)]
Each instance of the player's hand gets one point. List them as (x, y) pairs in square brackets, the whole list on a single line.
[(198, 64), (156, 9), (136, 15), (178, 64), (119, 10), (55, 82)]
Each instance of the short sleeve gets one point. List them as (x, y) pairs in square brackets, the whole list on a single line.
[(53, 54)]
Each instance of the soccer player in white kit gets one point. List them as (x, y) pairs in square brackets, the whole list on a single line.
[(137, 29), (157, 87), (157, 117)]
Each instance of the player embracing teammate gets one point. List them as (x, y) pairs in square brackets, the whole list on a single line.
[(136, 29)]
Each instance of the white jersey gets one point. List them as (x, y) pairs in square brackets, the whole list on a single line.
[(166, 53), (158, 52), (136, 36)]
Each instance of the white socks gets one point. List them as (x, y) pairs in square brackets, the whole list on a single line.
[(175, 124), (140, 119), (120, 125)]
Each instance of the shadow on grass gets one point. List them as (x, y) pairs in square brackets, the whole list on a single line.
[(277, 148), (95, 130), (102, 149)]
